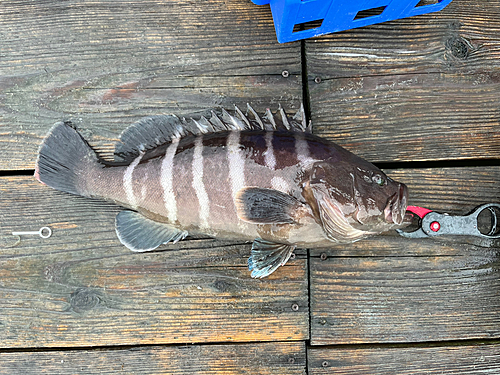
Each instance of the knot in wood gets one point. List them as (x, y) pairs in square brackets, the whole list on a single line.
[(458, 47), (222, 285), (55, 272), (83, 300)]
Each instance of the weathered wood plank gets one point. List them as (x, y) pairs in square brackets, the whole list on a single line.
[(263, 359), (461, 38), (423, 88), (453, 190), (80, 287), (405, 299), (445, 360), (410, 117), (391, 289), (104, 64)]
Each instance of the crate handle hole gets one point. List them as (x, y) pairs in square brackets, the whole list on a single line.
[(423, 3), (372, 12), (307, 25)]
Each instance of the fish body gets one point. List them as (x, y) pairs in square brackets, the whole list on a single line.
[(264, 179)]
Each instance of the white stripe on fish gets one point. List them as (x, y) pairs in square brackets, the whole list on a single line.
[(269, 157), (302, 149), (236, 163), (279, 183), (127, 181), (198, 184), (166, 179)]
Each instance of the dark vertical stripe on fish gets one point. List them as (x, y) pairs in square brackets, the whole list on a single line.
[(284, 150)]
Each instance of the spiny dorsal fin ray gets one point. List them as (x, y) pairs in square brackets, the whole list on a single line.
[(150, 132), (219, 126), (270, 117), (300, 120), (254, 117), (242, 117)]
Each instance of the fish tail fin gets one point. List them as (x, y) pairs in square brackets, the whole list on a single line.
[(65, 160)]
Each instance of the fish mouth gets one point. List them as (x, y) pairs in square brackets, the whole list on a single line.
[(395, 210)]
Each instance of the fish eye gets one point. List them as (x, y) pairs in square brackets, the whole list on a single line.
[(379, 180)]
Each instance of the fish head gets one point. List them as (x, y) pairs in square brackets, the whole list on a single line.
[(354, 199)]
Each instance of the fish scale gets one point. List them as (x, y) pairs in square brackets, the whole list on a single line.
[(238, 176)]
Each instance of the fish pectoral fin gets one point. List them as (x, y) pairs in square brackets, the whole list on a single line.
[(267, 256), (266, 206), (140, 234)]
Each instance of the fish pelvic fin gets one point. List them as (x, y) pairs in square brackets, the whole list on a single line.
[(267, 256), (64, 159)]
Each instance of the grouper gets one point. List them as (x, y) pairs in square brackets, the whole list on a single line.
[(230, 175)]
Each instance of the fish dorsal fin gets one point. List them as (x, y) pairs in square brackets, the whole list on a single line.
[(150, 132), (299, 121), (146, 134)]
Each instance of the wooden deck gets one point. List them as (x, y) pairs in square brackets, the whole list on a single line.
[(420, 96)]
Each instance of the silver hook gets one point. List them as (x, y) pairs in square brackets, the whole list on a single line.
[(44, 232)]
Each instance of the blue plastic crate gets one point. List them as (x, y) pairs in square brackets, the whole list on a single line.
[(300, 19)]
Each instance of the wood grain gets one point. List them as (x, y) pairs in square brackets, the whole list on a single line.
[(405, 299), (81, 287), (463, 37), (423, 88), (391, 289), (444, 360), (261, 358), (104, 64)]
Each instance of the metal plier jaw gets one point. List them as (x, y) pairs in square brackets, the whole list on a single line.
[(435, 224)]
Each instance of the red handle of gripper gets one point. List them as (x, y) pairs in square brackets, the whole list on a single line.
[(419, 211)]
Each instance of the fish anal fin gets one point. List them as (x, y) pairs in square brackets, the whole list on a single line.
[(140, 234), (267, 256), (266, 206)]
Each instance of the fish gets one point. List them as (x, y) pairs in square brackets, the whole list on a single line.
[(265, 179)]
